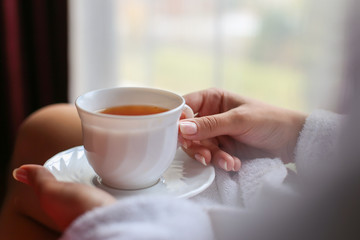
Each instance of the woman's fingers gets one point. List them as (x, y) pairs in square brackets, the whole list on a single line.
[(206, 127), (199, 153), (34, 175), (222, 159), (208, 151), (237, 164)]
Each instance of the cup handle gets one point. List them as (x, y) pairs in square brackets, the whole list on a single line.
[(187, 112)]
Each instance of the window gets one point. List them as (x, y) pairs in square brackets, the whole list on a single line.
[(267, 49)]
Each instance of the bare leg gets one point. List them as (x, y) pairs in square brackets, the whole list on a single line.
[(46, 132)]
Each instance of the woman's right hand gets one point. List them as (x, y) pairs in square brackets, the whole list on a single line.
[(230, 128)]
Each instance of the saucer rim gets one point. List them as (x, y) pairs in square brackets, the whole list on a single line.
[(190, 193)]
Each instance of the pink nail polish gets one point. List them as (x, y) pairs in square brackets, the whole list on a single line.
[(223, 164), (200, 158), (188, 127), (20, 175)]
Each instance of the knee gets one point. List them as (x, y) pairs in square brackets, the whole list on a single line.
[(49, 120), (48, 130)]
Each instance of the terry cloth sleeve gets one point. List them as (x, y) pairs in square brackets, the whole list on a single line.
[(238, 189), (317, 141), (144, 217)]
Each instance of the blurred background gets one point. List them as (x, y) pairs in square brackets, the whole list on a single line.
[(284, 52), (280, 51)]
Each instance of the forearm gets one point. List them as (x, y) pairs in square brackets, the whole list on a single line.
[(295, 123)]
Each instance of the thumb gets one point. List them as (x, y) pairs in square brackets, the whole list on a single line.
[(33, 175), (206, 127)]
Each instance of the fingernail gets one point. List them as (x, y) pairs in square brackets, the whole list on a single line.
[(223, 164), (20, 175), (200, 158), (188, 127)]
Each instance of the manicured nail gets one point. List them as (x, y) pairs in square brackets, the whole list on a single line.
[(188, 127), (20, 175), (223, 164), (237, 162), (200, 158)]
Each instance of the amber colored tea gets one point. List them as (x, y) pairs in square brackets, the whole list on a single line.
[(133, 110)]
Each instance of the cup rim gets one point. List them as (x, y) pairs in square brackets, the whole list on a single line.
[(112, 116)]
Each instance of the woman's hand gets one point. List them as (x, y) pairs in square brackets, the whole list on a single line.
[(230, 128), (63, 202)]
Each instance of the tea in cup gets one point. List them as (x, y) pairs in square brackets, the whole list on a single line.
[(130, 133)]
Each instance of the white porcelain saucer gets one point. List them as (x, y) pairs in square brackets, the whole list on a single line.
[(184, 178)]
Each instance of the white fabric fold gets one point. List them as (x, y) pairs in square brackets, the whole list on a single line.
[(238, 189), (143, 218)]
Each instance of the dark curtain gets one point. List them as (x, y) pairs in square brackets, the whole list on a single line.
[(33, 65)]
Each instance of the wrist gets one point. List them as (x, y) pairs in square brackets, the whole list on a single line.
[(296, 124)]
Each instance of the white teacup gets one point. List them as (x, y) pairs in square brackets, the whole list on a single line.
[(130, 152)]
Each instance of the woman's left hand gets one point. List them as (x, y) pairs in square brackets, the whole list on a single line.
[(61, 201)]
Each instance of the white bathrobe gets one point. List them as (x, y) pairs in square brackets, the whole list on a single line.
[(226, 209)]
